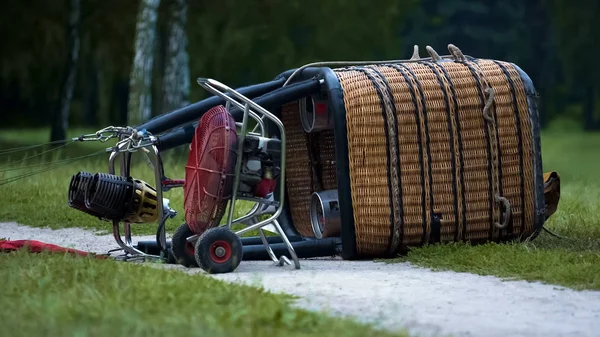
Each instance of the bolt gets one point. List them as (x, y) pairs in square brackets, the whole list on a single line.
[(220, 251)]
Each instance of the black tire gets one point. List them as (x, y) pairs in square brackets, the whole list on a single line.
[(170, 257), (218, 250), (183, 251)]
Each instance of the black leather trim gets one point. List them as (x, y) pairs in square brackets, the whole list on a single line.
[(338, 110), (532, 102)]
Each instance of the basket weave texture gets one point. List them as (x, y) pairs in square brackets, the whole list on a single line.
[(310, 166), (427, 164)]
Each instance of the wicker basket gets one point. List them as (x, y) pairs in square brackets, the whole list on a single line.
[(421, 152)]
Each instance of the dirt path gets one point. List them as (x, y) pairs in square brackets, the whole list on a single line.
[(396, 295)]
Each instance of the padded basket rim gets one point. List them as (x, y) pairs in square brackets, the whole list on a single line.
[(539, 202)]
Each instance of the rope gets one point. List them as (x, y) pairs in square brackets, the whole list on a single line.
[(435, 57), (29, 147), (554, 234), (50, 168), (488, 104), (455, 54), (505, 214), (488, 116), (415, 55), (35, 165), (36, 155)]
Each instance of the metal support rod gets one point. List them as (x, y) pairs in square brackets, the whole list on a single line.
[(220, 89), (210, 85), (127, 245), (158, 176), (287, 243), (238, 166), (259, 122)]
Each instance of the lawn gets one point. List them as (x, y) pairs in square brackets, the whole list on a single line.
[(60, 295), (572, 261)]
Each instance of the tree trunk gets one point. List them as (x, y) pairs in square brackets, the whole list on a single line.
[(61, 116), (92, 90), (140, 82), (176, 79), (119, 100)]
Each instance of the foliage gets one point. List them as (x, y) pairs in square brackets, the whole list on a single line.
[(244, 42), (575, 25)]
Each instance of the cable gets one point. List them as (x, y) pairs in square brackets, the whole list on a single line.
[(554, 234), (36, 155), (29, 147), (57, 165), (357, 63), (37, 165)]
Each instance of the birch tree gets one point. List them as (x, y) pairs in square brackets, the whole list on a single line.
[(61, 116), (176, 79), (140, 81)]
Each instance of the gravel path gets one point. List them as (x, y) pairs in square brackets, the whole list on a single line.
[(395, 295)]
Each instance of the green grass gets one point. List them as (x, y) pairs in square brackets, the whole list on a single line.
[(60, 295), (572, 261), (41, 200)]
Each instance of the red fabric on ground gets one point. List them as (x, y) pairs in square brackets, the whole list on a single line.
[(34, 246)]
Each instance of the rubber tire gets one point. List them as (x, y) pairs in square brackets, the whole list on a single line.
[(171, 259), (203, 248), (178, 247)]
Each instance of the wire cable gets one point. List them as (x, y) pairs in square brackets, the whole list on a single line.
[(29, 147), (554, 234), (37, 165), (36, 155), (50, 168)]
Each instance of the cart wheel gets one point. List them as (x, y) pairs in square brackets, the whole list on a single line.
[(171, 259), (183, 251), (218, 250)]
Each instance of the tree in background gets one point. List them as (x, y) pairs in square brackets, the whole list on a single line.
[(509, 30), (244, 42), (61, 116), (140, 82), (176, 78), (576, 27)]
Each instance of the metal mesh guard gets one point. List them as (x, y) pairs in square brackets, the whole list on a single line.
[(210, 170)]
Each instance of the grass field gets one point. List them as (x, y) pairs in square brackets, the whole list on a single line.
[(573, 261), (58, 295)]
